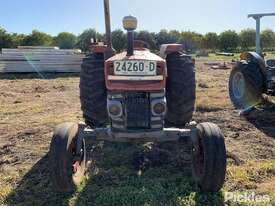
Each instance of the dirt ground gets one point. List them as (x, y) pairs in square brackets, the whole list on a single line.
[(32, 105)]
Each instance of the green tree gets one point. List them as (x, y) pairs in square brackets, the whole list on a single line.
[(165, 37), (65, 40), (84, 39), (147, 37), (174, 36), (267, 39), (18, 39), (247, 38), (37, 38), (228, 40), (119, 40), (191, 40), (6, 40), (210, 41)]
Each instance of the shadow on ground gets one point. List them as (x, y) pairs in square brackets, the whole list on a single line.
[(41, 75), (114, 180), (35, 188), (263, 118)]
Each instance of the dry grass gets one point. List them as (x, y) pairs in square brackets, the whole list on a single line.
[(31, 107), (250, 174)]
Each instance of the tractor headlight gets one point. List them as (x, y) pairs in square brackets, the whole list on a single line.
[(158, 107), (114, 108)]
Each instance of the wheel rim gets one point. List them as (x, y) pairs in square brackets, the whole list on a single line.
[(78, 167), (238, 85)]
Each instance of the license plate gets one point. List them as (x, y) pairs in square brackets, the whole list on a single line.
[(135, 68)]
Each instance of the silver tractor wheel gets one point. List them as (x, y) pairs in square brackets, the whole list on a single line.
[(244, 88)]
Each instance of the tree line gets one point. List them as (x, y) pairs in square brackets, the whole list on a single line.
[(228, 41)]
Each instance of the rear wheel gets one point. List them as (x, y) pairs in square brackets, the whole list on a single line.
[(209, 158), (246, 85), (68, 169), (93, 92), (180, 90)]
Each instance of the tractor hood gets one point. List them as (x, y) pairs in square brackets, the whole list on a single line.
[(138, 55), (142, 71)]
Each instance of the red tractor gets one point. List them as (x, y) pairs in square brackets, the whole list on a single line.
[(137, 96)]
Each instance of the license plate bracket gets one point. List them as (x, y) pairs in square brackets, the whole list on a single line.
[(135, 68)]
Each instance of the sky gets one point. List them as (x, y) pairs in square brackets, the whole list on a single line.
[(54, 16)]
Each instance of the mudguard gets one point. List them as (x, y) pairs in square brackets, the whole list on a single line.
[(166, 49), (97, 48), (257, 59)]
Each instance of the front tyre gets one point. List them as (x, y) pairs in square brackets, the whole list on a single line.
[(209, 158), (68, 169)]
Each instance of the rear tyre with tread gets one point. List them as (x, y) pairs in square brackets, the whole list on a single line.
[(180, 90), (209, 158), (93, 93), (246, 85)]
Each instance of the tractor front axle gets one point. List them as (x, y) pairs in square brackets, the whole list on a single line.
[(165, 135)]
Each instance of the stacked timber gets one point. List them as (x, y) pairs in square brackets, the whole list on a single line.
[(27, 59)]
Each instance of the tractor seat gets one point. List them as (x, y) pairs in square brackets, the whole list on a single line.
[(271, 63)]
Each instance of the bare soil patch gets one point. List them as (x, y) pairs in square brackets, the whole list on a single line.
[(32, 106)]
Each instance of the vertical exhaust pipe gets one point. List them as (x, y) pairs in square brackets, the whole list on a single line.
[(109, 51), (130, 24), (130, 43)]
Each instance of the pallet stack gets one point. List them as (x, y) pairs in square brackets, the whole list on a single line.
[(27, 59)]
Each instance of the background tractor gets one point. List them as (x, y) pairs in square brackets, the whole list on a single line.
[(137, 96), (252, 75)]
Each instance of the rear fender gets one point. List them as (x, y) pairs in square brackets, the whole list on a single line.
[(98, 48), (256, 58), (259, 60), (166, 49)]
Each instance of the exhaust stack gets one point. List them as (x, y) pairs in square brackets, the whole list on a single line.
[(130, 24)]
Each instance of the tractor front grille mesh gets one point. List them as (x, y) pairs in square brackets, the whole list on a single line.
[(137, 110)]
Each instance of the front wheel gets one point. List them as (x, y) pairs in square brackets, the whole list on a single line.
[(68, 167), (209, 158)]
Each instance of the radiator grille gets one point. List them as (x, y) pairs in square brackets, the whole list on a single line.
[(138, 113)]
